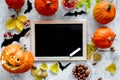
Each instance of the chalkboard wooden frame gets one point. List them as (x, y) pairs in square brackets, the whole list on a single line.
[(33, 23)]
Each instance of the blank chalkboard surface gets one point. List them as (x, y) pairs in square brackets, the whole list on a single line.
[(56, 40)]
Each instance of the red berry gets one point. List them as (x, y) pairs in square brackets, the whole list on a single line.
[(66, 4), (26, 23), (71, 5), (28, 20), (10, 34), (5, 35)]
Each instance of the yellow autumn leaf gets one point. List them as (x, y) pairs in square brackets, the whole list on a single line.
[(10, 24), (22, 18), (43, 66), (54, 68), (111, 68), (35, 74), (91, 48), (19, 25)]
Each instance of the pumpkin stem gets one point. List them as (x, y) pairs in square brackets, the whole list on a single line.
[(111, 38), (109, 7), (48, 3)]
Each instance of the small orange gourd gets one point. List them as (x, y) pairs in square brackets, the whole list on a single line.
[(15, 4), (15, 59), (46, 7), (104, 12), (103, 37)]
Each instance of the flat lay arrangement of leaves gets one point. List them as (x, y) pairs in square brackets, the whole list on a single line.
[(104, 12)]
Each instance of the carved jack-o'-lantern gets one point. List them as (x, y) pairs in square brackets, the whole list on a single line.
[(16, 59)]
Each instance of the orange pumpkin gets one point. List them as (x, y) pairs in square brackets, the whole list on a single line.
[(104, 12), (46, 7), (103, 37), (15, 4), (15, 59)]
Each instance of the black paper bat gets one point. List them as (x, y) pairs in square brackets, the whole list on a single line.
[(15, 37), (75, 13), (63, 67), (29, 7)]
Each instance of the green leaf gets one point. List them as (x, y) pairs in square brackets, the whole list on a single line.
[(88, 5), (80, 4), (97, 1)]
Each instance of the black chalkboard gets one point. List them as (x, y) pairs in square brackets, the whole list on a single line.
[(55, 40)]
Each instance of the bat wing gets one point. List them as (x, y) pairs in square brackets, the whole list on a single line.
[(63, 67), (29, 7), (82, 12), (69, 14), (67, 65), (15, 37)]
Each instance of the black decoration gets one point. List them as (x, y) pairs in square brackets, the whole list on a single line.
[(75, 13), (29, 7), (63, 67), (15, 37)]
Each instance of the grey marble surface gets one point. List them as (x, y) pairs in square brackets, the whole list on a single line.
[(92, 25)]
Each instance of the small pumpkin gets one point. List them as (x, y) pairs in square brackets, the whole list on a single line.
[(15, 4), (15, 59), (103, 37), (104, 12), (46, 7)]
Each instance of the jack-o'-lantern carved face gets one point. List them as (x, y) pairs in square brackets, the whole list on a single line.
[(16, 60)]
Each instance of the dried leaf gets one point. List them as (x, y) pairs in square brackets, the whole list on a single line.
[(54, 68), (111, 68), (91, 48), (96, 57), (10, 24), (43, 66), (35, 74), (88, 5), (100, 78), (80, 4), (22, 18), (19, 25)]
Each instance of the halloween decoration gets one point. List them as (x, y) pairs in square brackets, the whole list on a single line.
[(104, 12), (103, 37), (29, 7), (16, 59), (63, 67), (75, 13), (46, 7), (15, 37), (15, 4)]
